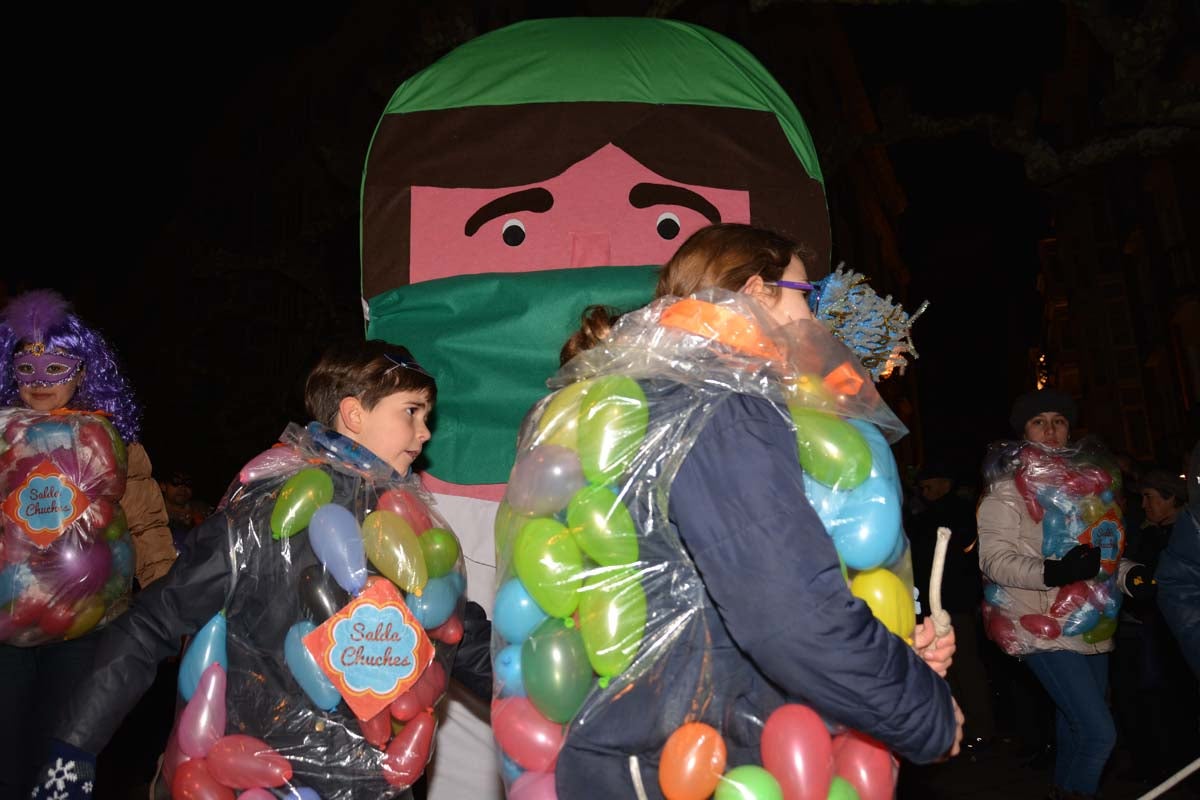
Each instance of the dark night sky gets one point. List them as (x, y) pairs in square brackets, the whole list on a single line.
[(119, 110)]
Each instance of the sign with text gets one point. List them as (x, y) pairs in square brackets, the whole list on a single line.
[(45, 504)]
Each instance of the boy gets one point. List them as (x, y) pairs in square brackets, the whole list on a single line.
[(253, 578)]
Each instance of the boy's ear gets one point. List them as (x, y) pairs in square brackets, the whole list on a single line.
[(350, 416)]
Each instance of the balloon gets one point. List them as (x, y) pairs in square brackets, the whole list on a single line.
[(831, 450), (421, 695), (554, 666), (509, 769), (515, 614), (336, 541), (408, 506), (748, 782), (543, 480), (298, 500), (1041, 626), (533, 786), (865, 764), (118, 526), (304, 668), (207, 647), (864, 522), (994, 594), (798, 751), (612, 620), (299, 793), (244, 762), (88, 612), (193, 781), (122, 556), (393, 549), (15, 580), (1091, 509), (202, 722), (602, 526), (526, 736), (436, 604), (378, 729), (1001, 630), (890, 600), (172, 756), (449, 632), (508, 523), (440, 549), (1070, 598), (549, 564), (507, 671), (408, 753), (613, 415), (808, 391), (256, 794), (692, 762), (1103, 630), (1081, 621), (559, 423), (320, 595), (841, 789), (75, 568)]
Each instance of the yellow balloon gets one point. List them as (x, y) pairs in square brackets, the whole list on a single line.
[(1091, 508), (890, 600), (87, 613), (559, 423), (394, 550), (808, 391)]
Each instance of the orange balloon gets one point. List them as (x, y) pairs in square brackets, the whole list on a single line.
[(693, 761)]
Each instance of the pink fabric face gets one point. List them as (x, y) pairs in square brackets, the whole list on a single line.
[(605, 210)]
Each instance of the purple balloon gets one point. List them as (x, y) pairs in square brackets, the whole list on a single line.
[(202, 722), (544, 480), (72, 568), (335, 537)]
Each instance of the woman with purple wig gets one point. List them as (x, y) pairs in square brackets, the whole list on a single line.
[(53, 363)]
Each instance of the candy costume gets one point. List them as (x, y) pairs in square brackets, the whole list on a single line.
[(667, 562)]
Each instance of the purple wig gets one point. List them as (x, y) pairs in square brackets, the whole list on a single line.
[(44, 316)]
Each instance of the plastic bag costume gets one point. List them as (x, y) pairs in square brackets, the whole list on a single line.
[(618, 639), (1069, 494), (66, 552), (342, 612)]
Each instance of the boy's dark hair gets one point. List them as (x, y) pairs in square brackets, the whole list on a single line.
[(368, 370)]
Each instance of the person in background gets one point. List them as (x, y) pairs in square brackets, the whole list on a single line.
[(1178, 572), (184, 511)]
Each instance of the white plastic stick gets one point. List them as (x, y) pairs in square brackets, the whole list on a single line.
[(941, 620), (1170, 782)]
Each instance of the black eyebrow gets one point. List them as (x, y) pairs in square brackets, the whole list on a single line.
[(644, 195), (537, 200)]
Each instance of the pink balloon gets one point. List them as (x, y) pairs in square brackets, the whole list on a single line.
[(408, 753), (203, 720), (244, 762), (378, 729), (408, 506), (798, 751), (256, 794), (866, 765), (526, 736), (173, 756), (275, 461), (1041, 626), (534, 786), (1070, 599), (193, 781)]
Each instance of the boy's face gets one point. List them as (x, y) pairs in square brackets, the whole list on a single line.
[(396, 428)]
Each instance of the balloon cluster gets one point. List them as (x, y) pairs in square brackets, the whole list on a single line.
[(571, 610), (398, 545), (66, 557), (1071, 493)]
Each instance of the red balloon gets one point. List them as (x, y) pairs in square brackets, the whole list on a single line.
[(243, 762), (408, 506), (378, 729), (449, 632), (1041, 626), (798, 751), (526, 736), (408, 753), (27, 609), (194, 781), (1070, 599), (57, 619), (422, 694), (173, 756), (866, 765), (1001, 630)]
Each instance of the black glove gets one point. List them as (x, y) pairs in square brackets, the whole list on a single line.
[(1080, 563), (1140, 583)]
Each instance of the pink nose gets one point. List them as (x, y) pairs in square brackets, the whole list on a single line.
[(590, 250)]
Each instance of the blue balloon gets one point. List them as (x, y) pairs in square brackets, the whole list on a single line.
[(207, 647), (437, 600), (1056, 537), (515, 614), (304, 668), (509, 769), (14, 580), (883, 463), (995, 595), (897, 552), (46, 436), (298, 793), (122, 556), (507, 670), (866, 529), (1106, 497), (335, 537), (1081, 620)]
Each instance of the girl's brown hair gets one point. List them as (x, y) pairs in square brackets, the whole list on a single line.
[(725, 256), (368, 370)]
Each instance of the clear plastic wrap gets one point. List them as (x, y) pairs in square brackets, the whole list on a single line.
[(66, 554), (344, 611), (596, 592), (1071, 492)]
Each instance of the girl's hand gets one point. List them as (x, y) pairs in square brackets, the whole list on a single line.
[(937, 651)]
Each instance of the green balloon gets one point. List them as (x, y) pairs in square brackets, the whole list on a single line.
[(555, 671), (749, 782), (440, 549), (117, 528), (832, 452), (842, 789), (612, 423), (602, 526), (550, 564), (298, 500), (117, 442), (612, 620), (1103, 630)]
